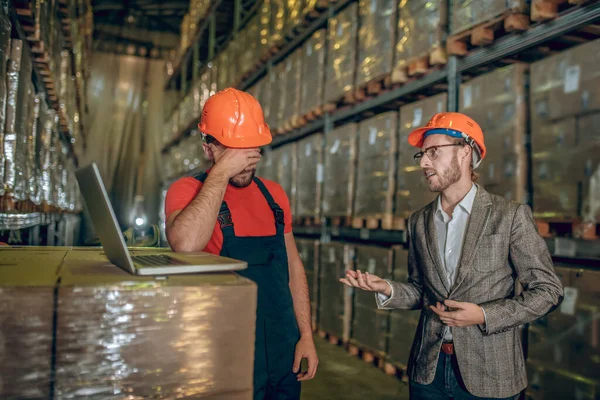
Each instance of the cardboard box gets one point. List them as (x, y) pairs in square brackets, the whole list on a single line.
[(290, 108), (250, 38), (309, 253), (496, 101), (265, 39), (375, 39), (377, 152), (266, 166), (285, 164), (313, 66), (421, 29), (309, 176), (294, 15), (341, 54), (109, 324), (340, 171), (335, 299), (370, 326), (5, 29), (277, 11), (469, 13), (278, 98), (412, 191)]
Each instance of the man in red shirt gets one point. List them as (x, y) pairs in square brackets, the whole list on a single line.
[(230, 212)]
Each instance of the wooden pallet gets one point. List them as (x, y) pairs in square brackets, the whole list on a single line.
[(298, 121), (385, 221), (397, 370), (544, 10), (485, 33), (346, 101), (399, 223), (574, 228), (420, 65), (308, 221), (314, 114), (333, 339), (339, 221), (377, 358), (372, 88)]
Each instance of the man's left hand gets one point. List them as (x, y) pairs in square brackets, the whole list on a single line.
[(462, 314), (305, 348)]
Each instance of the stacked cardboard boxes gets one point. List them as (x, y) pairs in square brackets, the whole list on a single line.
[(403, 323), (309, 176), (496, 101), (277, 100), (265, 40), (266, 167), (5, 29), (277, 17), (375, 39), (313, 68), (469, 13), (412, 191), (565, 138), (341, 54), (563, 346), (340, 171), (285, 164), (290, 107), (294, 15), (377, 152), (370, 326), (421, 30), (335, 299), (249, 39), (309, 253)]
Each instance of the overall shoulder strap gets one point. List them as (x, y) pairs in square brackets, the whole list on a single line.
[(277, 211)]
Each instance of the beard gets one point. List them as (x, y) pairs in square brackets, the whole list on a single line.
[(243, 179), (442, 181)]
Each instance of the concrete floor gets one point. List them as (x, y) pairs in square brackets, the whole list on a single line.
[(342, 376)]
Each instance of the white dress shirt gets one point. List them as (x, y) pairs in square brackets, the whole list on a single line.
[(450, 238)]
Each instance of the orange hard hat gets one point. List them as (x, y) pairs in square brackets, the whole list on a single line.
[(235, 119), (455, 125)]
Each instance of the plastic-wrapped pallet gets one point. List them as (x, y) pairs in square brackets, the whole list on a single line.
[(403, 323), (277, 11), (294, 16), (19, 91), (377, 151), (421, 30), (375, 39), (277, 100), (309, 253), (341, 54), (468, 13), (250, 54), (290, 108), (496, 101), (109, 323), (22, 157), (264, 45), (233, 65), (309, 176), (412, 191), (285, 164), (563, 346), (48, 122), (223, 69), (565, 138), (340, 171), (26, 344), (266, 167), (313, 66), (335, 299), (33, 168), (5, 28), (370, 326)]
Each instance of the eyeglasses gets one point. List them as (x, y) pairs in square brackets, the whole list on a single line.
[(432, 152)]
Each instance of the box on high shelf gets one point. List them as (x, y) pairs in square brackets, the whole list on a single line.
[(376, 171), (264, 44), (335, 299), (341, 54), (496, 101), (277, 18), (370, 326), (313, 66), (266, 168), (277, 101), (5, 29), (309, 254), (294, 16), (420, 34), (469, 13), (565, 138), (412, 190), (403, 323), (340, 171), (285, 164), (375, 39), (250, 37), (309, 176), (290, 108)]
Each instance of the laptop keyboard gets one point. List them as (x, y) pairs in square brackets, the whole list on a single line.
[(157, 260)]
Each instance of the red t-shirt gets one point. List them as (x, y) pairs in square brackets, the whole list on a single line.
[(250, 211)]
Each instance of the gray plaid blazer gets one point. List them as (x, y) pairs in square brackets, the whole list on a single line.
[(501, 245)]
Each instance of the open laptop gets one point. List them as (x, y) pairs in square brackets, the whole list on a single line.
[(159, 262)]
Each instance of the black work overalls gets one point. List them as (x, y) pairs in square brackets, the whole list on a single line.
[(276, 328)]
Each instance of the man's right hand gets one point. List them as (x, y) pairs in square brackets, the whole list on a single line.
[(367, 282), (233, 161)]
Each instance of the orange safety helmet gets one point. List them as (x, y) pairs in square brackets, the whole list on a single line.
[(456, 125), (235, 119)]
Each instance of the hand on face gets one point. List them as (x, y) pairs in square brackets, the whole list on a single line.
[(234, 161)]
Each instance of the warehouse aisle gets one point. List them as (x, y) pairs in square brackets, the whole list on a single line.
[(342, 376)]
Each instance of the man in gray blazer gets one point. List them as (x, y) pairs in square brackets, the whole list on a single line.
[(466, 251)]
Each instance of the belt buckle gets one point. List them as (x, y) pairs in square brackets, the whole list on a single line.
[(448, 348)]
